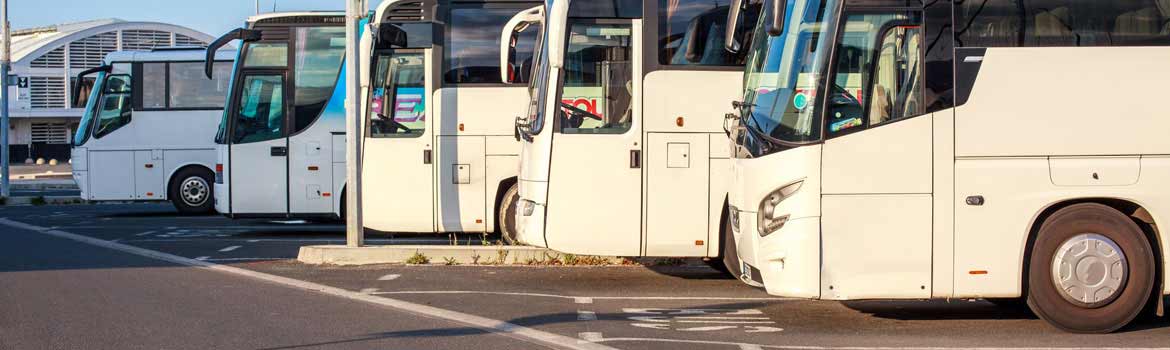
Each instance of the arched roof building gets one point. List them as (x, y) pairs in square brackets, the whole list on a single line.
[(45, 61)]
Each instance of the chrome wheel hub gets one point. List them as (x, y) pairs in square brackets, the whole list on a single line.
[(194, 191), (1089, 270)]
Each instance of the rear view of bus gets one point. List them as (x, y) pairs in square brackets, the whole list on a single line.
[(282, 137), (1007, 150), (440, 155), (148, 127)]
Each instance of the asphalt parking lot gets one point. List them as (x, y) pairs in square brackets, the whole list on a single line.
[(625, 307)]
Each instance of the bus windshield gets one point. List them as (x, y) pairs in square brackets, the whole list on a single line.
[(87, 116), (782, 74)]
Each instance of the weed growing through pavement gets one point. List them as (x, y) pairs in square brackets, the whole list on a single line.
[(570, 259), (38, 200), (450, 261), (418, 259), (475, 259)]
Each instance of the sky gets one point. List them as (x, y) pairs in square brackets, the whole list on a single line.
[(213, 17)]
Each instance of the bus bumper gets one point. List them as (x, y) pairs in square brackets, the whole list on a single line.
[(789, 259), (530, 215)]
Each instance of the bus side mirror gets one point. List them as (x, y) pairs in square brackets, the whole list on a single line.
[(779, 9), (509, 37), (730, 41), (390, 35), (241, 34)]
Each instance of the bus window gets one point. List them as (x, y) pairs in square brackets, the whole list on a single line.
[(598, 80), (401, 78), (154, 86), (273, 55), (472, 50), (189, 89), (320, 52), (682, 21), (261, 114), (875, 81), (114, 105)]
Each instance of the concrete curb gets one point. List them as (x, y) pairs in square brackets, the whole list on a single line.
[(463, 255)]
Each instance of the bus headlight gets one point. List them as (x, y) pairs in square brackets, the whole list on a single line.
[(769, 221), (733, 213), (527, 207)]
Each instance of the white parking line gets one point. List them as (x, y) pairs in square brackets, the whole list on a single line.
[(228, 249), (147, 233), (389, 277), (203, 258), (491, 325)]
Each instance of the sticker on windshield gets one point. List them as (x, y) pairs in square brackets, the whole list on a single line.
[(800, 101)]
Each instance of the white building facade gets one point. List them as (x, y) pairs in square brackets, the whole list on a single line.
[(45, 63)]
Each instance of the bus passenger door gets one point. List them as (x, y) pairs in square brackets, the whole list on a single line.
[(877, 180), (595, 176), (259, 145), (398, 178)]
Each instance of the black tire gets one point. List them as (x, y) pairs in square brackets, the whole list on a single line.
[(729, 254), (1110, 313), (191, 191), (506, 214)]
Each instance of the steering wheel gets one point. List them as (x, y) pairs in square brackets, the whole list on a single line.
[(581, 112), (395, 124)]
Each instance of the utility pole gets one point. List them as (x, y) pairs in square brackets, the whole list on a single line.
[(355, 10), (5, 57)]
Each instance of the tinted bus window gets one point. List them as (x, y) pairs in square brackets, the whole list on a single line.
[(320, 54), (472, 46), (154, 85), (189, 88), (683, 22), (1035, 23)]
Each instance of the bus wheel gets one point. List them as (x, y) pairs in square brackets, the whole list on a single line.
[(191, 191), (506, 216), (1091, 271)]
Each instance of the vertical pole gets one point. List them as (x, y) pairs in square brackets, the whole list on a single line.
[(354, 229), (5, 57), (257, 7)]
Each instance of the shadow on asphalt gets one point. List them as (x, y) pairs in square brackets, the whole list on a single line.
[(422, 333), (691, 272), (970, 310), (151, 214)]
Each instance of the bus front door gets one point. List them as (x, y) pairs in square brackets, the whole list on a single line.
[(259, 146), (399, 154), (595, 177)]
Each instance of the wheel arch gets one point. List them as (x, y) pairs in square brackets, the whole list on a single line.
[(501, 188), (1132, 208)]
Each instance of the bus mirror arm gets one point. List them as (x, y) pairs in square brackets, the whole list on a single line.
[(242, 34), (81, 79), (730, 41), (778, 8)]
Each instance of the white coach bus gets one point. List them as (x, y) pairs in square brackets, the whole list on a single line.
[(439, 154), (978, 149), (624, 152), (148, 127), (281, 142)]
